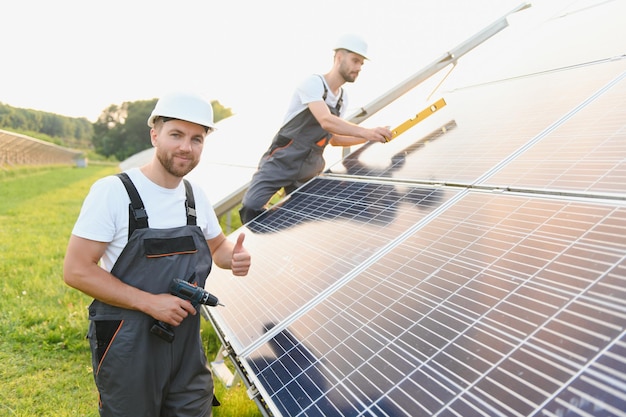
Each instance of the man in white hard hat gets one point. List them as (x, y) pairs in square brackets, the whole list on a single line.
[(313, 120), (138, 231)]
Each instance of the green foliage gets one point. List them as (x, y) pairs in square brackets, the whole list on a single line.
[(61, 130), (231, 220), (121, 131), (219, 111), (46, 365)]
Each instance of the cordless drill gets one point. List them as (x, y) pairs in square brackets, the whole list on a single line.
[(187, 291)]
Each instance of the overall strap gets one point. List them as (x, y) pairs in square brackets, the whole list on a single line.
[(325, 89), (339, 101), (137, 215), (190, 204)]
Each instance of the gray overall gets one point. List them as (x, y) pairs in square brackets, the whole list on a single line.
[(294, 157), (136, 372)]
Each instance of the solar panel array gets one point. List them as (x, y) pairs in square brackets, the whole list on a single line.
[(476, 265)]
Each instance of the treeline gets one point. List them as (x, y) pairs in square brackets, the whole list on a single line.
[(119, 132), (62, 130)]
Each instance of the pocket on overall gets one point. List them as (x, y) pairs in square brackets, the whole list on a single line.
[(311, 166), (105, 331), (159, 247), (279, 142)]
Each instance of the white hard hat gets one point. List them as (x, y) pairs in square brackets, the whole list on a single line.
[(353, 43), (184, 106)]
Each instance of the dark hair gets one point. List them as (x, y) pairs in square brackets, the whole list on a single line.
[(163, 119)]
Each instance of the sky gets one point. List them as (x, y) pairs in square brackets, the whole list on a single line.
[(76, 57)]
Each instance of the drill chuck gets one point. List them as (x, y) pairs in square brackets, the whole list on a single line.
[(193, 293)]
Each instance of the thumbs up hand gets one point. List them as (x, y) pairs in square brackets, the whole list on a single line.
[(240, 260)]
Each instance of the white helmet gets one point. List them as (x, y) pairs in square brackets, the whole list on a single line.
[(353, 43), (184, 106)]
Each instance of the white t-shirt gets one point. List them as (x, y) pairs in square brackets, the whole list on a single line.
[(104, 214), (310, 90)]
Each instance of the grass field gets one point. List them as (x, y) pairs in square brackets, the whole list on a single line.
[(45, 361)]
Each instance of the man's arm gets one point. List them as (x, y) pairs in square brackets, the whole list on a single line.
[(229, 255), (344, 132), (81, 271)]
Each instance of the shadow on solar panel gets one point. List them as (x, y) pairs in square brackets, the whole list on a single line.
[(374, 203), (368, 203)]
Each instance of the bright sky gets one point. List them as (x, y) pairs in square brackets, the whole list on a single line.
[(76, 57)]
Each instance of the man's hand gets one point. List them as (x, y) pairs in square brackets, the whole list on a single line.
[(169, 309), (379, 134), (240, 261)]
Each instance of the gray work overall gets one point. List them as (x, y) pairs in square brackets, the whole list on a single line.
[(294, 157), (136, 372)]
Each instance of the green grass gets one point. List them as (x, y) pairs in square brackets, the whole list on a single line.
[(45, 361)]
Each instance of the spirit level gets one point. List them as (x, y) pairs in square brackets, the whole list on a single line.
[(403, 127)]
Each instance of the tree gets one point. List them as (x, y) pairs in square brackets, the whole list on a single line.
[(122, 131)]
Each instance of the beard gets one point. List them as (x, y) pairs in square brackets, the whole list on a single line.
[(176, 169), (348, 77)]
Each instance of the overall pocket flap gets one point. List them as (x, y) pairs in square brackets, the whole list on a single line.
[(157, 247)]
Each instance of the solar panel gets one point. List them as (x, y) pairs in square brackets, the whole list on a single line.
[(581, 154), (490, 306), (490, 128), (335, 216), (475, 265)]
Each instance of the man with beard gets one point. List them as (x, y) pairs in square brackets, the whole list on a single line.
[(313, 120), (138, 231)]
